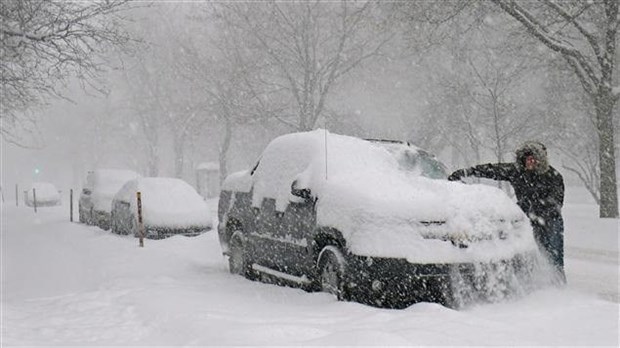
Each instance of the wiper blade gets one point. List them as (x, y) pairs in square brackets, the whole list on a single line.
[(432, 222)]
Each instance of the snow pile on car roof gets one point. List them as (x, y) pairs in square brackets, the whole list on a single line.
[(167, 202), (45, 191), (385, 211), (105, 183)]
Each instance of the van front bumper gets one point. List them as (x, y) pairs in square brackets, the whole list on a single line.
[(397, 283)]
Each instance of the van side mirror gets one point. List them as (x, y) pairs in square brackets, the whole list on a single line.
[(304, 193)]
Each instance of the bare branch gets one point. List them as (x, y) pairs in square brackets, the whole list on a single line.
[(46, 42), (534, 27)]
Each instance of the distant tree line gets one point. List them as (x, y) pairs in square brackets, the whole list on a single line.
[(496, 73)]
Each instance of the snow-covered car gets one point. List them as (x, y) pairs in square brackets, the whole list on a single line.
[(170, 206), (370, 221), (46, 194), (95, 202)]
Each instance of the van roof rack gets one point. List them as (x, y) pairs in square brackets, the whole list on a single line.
[(387, 141)]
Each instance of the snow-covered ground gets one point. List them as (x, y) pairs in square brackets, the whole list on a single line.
[(68, 284)]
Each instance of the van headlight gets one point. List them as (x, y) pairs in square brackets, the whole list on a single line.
[(517, 223)]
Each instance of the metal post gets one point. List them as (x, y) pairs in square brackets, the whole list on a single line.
[(16, 196), (140, 224), (71, 205), (34, 199)]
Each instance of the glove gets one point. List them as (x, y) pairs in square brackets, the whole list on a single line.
[(457, 175)]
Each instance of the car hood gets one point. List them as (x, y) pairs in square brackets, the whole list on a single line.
[(425, 220), (102, 200)]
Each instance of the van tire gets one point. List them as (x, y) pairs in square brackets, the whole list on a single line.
[(332, 270)]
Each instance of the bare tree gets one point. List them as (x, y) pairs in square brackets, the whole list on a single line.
[(181, 85), (161, 103), (585, 34), (226, 78), (166, 105), (45, 42), (479, 81), (495, 85), (145, 120), (572, 109), (307, 47), (224, 72), (184, 105)]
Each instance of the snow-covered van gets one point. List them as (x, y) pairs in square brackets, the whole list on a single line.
[(370, 221)]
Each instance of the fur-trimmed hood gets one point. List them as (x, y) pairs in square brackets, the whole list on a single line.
[(536, 149)]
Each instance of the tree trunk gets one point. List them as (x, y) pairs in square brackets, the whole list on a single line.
[(179, 149), (603, 102), (152, 165), (598, 87), (224, 149)]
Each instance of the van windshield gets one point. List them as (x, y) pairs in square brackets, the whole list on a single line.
[(424, 163), (415, 160)]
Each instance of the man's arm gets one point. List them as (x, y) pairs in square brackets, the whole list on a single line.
[(495, 171), (560, 191)]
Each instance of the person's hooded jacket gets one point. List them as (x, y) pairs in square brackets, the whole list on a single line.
[(539, 192)]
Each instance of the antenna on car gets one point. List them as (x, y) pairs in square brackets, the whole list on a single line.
[(325, 131)]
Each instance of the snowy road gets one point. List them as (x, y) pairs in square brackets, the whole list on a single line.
[(592, 271), (68, 284), (600, 256), (591, 248)]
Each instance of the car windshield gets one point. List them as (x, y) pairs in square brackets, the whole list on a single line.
[(423, 162), (415, 160)]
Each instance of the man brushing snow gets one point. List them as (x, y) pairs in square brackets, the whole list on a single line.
[(539, 189)]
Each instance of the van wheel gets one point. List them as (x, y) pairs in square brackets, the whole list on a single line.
[(120, 225), (238, 262), (133, 227), (332, 272), (113, 224)]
